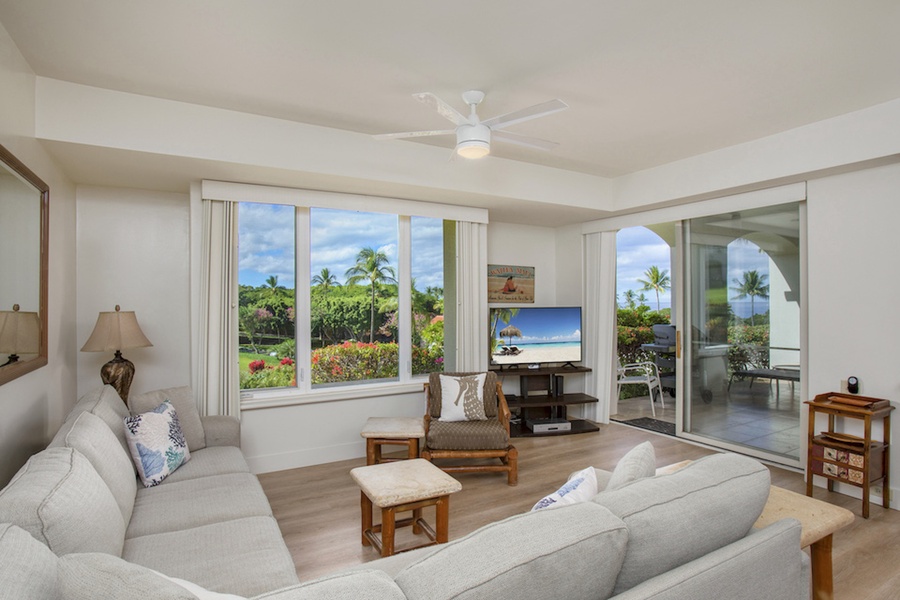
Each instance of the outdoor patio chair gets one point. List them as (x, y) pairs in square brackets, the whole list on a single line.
[(641, 373)]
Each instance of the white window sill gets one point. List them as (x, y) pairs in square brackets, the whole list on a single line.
[(260, 399)]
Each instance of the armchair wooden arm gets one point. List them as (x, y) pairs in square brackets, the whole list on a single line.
[(503, 413)]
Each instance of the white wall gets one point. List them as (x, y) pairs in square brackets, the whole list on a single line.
[(853, 289), (34, 405), (133, 250)]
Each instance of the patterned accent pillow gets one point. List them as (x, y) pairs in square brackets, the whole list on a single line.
[(462, 398), (580, 488), (157, 443)]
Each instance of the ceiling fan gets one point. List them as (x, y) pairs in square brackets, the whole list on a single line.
[(473, 136)]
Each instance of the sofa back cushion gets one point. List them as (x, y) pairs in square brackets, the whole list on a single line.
[(355, 585), (571, 552), (182, 399), (105, 403), (27, 568), (674, 519), (89, 435), (91, 576), (59, 499)]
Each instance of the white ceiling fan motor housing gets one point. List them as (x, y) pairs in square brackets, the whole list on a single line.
[(473, 141)]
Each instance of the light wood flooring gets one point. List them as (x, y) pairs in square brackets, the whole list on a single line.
[(317, 507)]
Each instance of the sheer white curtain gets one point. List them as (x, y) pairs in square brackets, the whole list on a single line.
[(219, 380), (471, 290), (600, 322)]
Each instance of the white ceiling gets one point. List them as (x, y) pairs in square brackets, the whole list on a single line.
[(648, 82)]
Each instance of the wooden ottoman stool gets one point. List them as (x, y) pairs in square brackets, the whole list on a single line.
[(398, 431), (407, 485)]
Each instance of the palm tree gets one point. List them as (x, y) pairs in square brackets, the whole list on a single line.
[(629, 298), (325, 279), (656, 280), (371, 266), (753, 285)]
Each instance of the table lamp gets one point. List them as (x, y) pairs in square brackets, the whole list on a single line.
[(20, 333), (117, 331)]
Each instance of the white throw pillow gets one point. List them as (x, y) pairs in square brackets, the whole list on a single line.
[(640, 462), (462, 398), (157, 443), (580, 488)]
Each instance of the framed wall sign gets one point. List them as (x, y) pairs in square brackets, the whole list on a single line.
[(510, 284)]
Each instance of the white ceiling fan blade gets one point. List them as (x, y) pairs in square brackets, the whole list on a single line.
[(443, 109), (523, 140), (526, 114), (412, 134)]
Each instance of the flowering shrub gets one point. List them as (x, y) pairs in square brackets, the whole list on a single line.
[(354, 361), (262, 376), (256, 366)]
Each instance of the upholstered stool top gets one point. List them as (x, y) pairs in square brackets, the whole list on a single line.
[(401, 482), (393, 428)]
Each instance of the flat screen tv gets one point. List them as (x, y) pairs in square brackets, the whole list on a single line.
[(535, 335)]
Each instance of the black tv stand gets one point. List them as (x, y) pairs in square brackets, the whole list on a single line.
[(537, 399)]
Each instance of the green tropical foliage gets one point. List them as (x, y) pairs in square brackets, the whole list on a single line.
[(657, 281), (753, 285), (340, 315), (371, 267)]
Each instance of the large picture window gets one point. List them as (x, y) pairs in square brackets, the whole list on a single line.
[(351, 324)]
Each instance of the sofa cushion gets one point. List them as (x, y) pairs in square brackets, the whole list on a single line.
[(105, 403), (639, 462), (28, 569), (88, 434), (182, 398), (572, 552), (359, 585), (186, 504), (209, 462), (244, 556), (673, 519), (157, 443), (95, 576), (59, 498)]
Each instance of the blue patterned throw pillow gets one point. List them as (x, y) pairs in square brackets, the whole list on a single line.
[(157, 443), (580, 488)]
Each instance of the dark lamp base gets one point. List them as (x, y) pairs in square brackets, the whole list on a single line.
[(118, 373)]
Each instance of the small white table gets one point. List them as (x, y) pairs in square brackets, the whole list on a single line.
[(407, 485), (397, 431)]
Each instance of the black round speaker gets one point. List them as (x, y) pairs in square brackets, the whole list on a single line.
[(853, 385)]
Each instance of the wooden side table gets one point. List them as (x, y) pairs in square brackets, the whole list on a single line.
[(397, 431), (818, 521), (853, 460), (402, 486)]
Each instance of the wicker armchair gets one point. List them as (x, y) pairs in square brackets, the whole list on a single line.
[(462, 441)]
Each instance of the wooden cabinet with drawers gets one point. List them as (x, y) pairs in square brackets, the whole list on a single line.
[(845, 458)]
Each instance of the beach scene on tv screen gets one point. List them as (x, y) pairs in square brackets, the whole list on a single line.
[(535, 335)]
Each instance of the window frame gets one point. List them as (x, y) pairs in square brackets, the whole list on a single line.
[(303, 201)]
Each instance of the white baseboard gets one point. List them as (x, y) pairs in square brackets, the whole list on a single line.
[(306, 457)]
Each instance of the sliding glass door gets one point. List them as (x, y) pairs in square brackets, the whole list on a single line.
[(741, 331)]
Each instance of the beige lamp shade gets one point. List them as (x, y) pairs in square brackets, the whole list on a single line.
[(114, 331), (20, 332)]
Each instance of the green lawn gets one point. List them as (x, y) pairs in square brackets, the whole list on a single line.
[(247, 357)]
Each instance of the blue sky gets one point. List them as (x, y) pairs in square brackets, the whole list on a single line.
[(638, 249), (267, 243), (546, 325)]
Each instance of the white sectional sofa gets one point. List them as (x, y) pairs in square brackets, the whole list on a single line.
[(75, 523)]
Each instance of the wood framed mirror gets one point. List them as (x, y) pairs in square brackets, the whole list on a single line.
[(24, 240)]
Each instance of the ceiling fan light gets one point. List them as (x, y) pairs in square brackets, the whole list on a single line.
[(473, 149)]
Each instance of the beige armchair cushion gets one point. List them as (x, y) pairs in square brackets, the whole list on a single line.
[(467, 435)]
